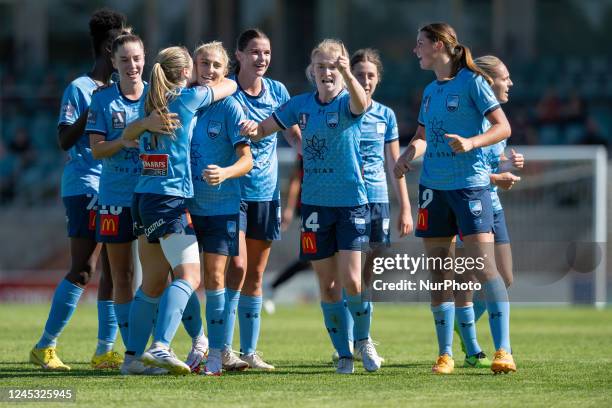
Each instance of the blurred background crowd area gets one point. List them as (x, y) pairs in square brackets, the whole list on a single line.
[(557, 52)]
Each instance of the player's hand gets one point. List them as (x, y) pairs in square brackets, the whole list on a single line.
[(459, 144), (517, 159), (505, 180), (402, 166), (343, 65), (248, 128), (129, 144), (286, 218), (214, 175), (405, 225), (155, 123)]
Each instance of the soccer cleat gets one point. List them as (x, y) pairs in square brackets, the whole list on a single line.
[(109, 360), (458, 333), (479, 360), (503, 362), (255, 361), (444, 365), (357, 353), (214, 366), (231, 362), (371, 359), (345, 366), (159, 355), (199, 350), (47, 358), (133, 366)]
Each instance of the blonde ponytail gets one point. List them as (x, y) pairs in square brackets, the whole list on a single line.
[(164, 84)]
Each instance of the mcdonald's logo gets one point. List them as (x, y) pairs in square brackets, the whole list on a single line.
[(309, 243), (109, 225), (92, 220), (422, 219)]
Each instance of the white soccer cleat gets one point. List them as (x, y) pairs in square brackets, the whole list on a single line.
[(269, 306), (159, 355), (213, 366), (255, 362), (231, 362), (199, 350), (371, 359), (357, 353), (345, 366), (133, 366)]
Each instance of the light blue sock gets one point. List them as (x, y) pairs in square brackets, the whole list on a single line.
[(107, 326), (192, 317), (444, 318), (122, 311), (480, 307), (231, 304), (362, 318), (334, 316), (479, 304), (215, 317), (350, 324), (249, 317), (171, 307), (65, 300), (142, 317), (467, 329), (499, 312)]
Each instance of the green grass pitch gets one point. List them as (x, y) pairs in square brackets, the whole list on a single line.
[(563, 356)]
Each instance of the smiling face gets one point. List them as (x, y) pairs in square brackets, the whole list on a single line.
[(501, 83), (426, 51), (211, 67), (327, 77), (255, 58), (129, 61), (367, 75)]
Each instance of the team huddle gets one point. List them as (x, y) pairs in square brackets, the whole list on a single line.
[(186, 165)]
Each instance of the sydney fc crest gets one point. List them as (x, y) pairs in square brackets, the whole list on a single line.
[(452, 103), (332, 119), (214, 128)]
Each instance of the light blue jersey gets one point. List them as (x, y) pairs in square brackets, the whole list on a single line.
[(493, 154), (110, 112), (166, 167), (378, 127), (261, 183), (216, 133), (81, 172), (456, 106), (330, 148)]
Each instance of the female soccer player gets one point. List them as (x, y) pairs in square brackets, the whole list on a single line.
[(111, 110), (260, 211), (159, 203), (379, 146), (219, 155), (454, 186), (335, 214), (502, 177), (80, 196)]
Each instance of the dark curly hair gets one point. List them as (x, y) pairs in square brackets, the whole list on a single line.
[(102, 23)]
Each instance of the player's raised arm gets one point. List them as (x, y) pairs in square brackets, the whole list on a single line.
[(359, 100)]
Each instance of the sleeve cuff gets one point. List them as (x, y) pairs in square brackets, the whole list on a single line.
[(491, 109), (278, 121)]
